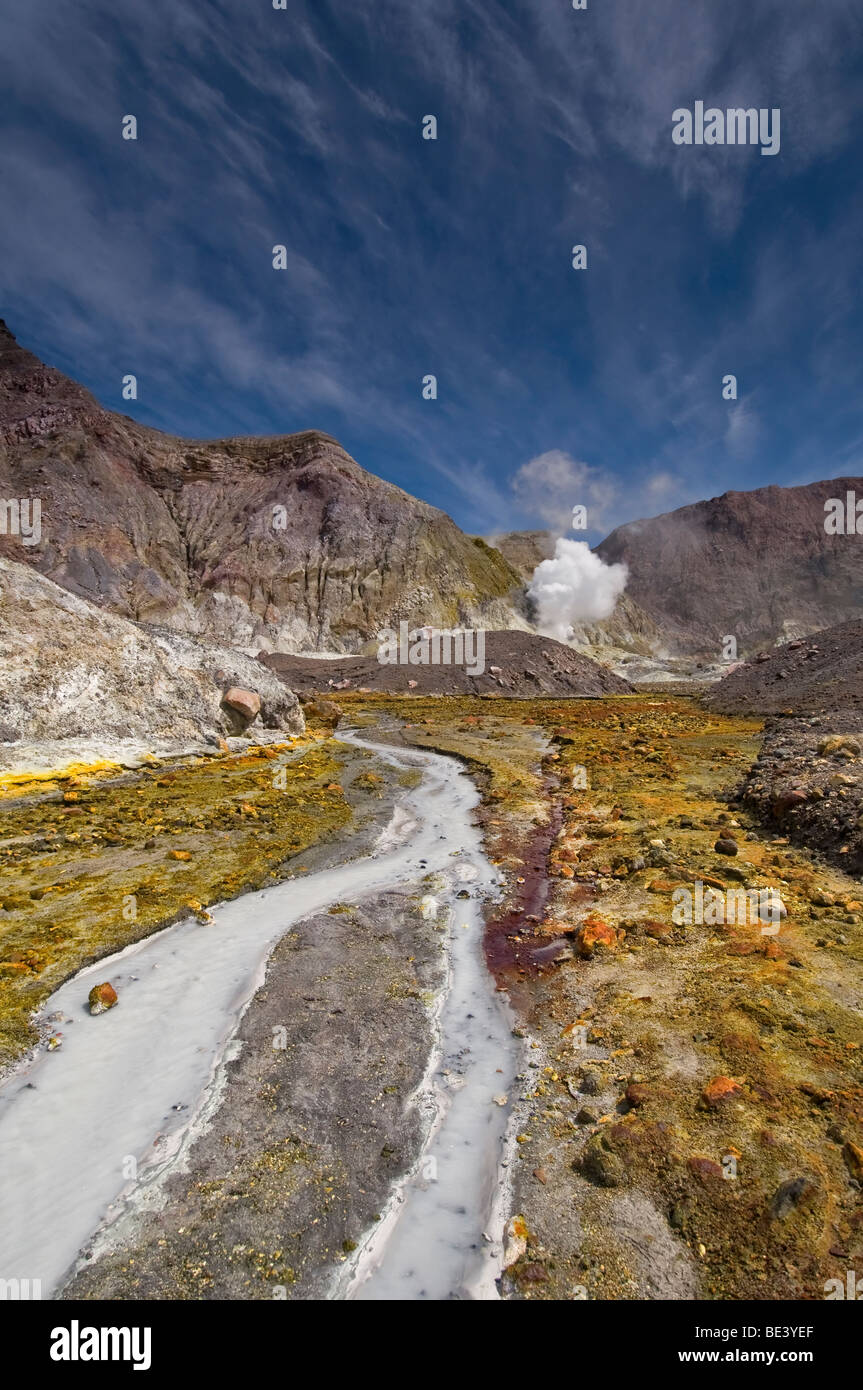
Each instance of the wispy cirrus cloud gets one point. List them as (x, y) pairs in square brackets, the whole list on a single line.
[(408, 257)]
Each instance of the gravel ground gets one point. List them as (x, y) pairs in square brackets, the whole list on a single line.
[(809, 676)]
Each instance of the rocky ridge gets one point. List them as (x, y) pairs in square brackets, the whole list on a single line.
[(519, 665), (757, 565), (258, 543)]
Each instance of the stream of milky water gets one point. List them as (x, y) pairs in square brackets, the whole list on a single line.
[(131, 1085)]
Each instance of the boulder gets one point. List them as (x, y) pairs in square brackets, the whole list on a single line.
[(101, 998), (327, 711), (725, 846), (601, 1165), (788, 801), (840, 745), (245, 703), (595, 934)]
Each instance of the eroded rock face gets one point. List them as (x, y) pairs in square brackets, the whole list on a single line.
[(36, 400), (262, 544), (71, 670), (758, 565)]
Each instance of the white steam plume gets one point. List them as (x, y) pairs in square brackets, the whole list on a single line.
[(575, 586)]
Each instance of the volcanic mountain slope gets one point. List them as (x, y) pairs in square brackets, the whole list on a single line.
[(755, 565), (181, 532), (524, 550), (519, 665), (628, 630), (73, 672)]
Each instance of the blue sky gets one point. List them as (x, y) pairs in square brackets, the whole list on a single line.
[(405, 257)]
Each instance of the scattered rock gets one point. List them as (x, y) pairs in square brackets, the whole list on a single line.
[(327, 711), (596, 934), (101, 998), (601, 1164), (515, 1245), (839, 744), (719, 1091), (681, 1213), (703, 1167), (659, 931), (853, 1156), (787, 801), (638, 1094), (790, 1195)]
